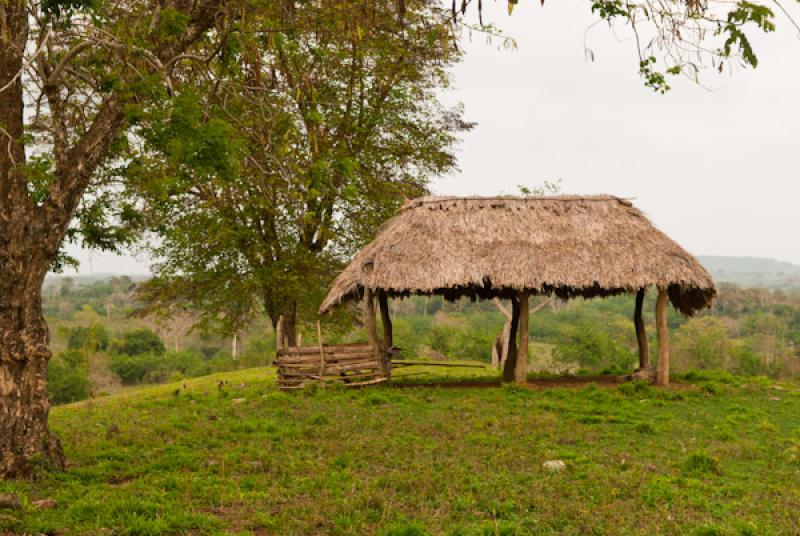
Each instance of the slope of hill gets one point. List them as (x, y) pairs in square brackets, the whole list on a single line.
[(229, 454), (753, 271)]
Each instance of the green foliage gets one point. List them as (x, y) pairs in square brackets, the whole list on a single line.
[(90, 339), (246, 183), (138, 368), (138, 342), (68, 378), (746, 12), (593, 348)]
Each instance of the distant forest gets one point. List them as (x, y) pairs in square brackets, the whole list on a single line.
[(101, 341), (753, 272)]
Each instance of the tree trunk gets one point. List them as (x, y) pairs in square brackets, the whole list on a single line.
[(25, 441), (521, 368), (641, 333), (662, 370), (284, 324), (510, 366)]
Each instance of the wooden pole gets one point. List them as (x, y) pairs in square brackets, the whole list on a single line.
[(321, 350), (383, 302), (509, 369), (521, 368), (662, 370), (372, 332), (641, 333)]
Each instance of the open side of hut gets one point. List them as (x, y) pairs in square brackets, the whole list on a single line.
[(515, 247)]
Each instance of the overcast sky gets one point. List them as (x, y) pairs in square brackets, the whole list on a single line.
[(718, 170)]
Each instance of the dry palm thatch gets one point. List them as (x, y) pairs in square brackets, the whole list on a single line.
[(485, 247)]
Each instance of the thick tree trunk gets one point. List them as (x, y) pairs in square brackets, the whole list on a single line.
[(510, 366), (25, 441), (282, 311), (641, 333)]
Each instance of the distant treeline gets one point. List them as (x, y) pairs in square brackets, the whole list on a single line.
[(100, 343)]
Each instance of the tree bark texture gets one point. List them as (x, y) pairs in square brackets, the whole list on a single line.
[(25, 441)]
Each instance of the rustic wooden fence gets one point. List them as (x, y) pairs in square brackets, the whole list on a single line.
[(349, 364)]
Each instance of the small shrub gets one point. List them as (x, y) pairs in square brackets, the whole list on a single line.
[(91, 339), (133, 369), (66, 382), (138, 342)]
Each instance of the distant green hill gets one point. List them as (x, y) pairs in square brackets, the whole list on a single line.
[(752, 271)]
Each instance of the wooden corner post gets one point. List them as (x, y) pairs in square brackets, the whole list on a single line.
[(510, 366), (641, 332), (386, 321), (521, 368), (372, 331), (662, 369)]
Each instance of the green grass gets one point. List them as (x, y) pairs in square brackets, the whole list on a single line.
[(248, 459)]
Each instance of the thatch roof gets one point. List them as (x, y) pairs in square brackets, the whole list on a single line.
[(494, 246)]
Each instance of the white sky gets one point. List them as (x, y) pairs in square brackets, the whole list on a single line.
[(719, 170)]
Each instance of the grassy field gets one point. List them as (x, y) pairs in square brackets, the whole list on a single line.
[(199, 457)]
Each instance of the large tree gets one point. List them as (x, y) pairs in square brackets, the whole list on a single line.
[(258, 186), (72, 74)]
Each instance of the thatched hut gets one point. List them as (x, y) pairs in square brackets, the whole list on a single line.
[(514, 247)]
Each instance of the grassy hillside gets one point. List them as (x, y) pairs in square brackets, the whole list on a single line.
[(200, 457)]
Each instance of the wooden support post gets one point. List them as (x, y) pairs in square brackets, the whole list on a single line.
[(662, 370), (383, 302), (521, 368), (509, 369), (641, 333), (321, 350), (372, 331)]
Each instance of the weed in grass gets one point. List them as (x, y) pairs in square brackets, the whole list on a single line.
[(702, 464), (319, 419), (707, 530), (712, 388), (405, 529), (644, 428), (376, 399), (635, 389)]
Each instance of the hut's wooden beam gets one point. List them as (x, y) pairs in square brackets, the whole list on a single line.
[(641, 332), (521, 368), (369, 323), (509, 369), (383, 302), (662, 369)]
